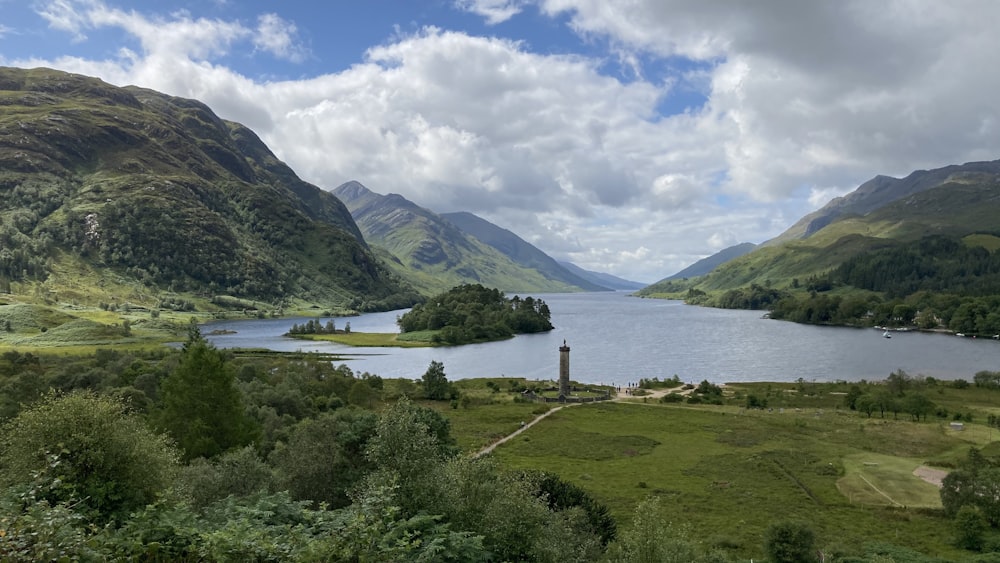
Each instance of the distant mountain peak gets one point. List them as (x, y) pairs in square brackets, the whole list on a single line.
[(883, 190), (709, 263), (432, 252)]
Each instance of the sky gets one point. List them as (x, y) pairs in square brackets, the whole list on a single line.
[(630, 137)]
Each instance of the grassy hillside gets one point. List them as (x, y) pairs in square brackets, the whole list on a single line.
[(124, 194), (953, 209), (432, 253), (518, 250)]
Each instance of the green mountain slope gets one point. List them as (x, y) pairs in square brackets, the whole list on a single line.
[(518, 250), (883, 190), (107, 191), (953, 202), (431, 252)]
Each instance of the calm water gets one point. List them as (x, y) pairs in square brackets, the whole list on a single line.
[(616, 339)]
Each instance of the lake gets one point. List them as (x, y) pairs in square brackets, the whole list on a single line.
[(616, 339)]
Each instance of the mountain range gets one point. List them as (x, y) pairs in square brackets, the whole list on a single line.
[(709, 263), (111, 194), (960, 202), (438, 251)]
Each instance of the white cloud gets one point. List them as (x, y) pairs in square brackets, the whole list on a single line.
[(804, 101), (276, 36), (495, 11), (63, 15)]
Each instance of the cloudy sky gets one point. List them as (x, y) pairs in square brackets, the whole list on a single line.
[(629, 137)]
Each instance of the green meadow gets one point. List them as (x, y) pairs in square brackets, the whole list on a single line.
[(727, 473)]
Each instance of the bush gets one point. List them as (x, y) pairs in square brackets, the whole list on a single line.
[(106, 456), (789, 542)]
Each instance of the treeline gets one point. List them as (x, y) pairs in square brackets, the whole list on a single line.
[(967, 315), (901, 393), (472, 313), (936, 282), (934, 263), (313, 326)]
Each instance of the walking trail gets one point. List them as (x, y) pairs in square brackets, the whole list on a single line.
[(650, 394)]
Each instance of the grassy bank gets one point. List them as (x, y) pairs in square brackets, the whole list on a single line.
[(368, 339)]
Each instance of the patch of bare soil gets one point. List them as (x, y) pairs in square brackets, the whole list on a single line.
[(931, 475)]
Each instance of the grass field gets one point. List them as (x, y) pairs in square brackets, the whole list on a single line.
[(729, 473), (367, 339)]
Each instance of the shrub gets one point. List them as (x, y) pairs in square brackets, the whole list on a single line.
[(107, 457)]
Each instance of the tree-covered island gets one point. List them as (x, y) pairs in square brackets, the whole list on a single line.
[(462, 315), (474, 313)]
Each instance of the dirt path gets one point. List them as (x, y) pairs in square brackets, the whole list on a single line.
[(879, 491), (503, 440), (621, 397)]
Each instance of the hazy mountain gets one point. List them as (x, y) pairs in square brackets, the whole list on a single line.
[(519, 250), (433, 253), (108, 191), (706, 265), (607, 280)]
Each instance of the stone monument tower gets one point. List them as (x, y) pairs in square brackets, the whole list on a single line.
[(564, 370)]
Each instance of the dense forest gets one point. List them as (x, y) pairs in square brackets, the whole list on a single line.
[(473, 313), (936, 282), (934, 264)]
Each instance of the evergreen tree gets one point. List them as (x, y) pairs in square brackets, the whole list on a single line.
[(202, 409), (436, 385)]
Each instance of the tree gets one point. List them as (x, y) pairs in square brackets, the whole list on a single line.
[(970, 526), (100, 454), (407, 453), (324, 457), (917, 405), (202, 409), (898, 382), (362, 394), (236, 473), (789, 542), (648, 540), (562, 495), (436, 386), (866, 403)]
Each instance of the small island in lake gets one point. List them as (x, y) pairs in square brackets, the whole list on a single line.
[(465, 314), (473, 313)]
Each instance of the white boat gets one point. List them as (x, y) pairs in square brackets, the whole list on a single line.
[(886, 334)]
